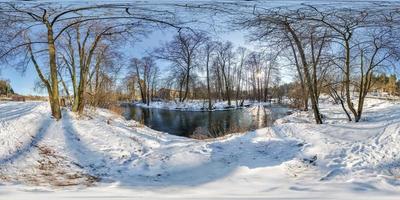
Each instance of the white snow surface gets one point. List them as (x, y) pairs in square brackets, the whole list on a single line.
[(101, 155)]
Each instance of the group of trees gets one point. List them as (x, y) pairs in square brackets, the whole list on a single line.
[(203, 68), (86, 58), (332, 50), (385, 83), (72, 43), (5, 88), (339, 49), (74, 50), (145, 73)]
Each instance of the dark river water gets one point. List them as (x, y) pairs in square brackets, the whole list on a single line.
[(211, 124)]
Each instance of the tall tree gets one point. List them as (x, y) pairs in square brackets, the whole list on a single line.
[(291, 25), (182, 52), (364, 36), (224, 60), (208, 50), (26, 21), (146, 72)]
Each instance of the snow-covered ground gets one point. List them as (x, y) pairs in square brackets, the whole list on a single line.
[(104, 156)]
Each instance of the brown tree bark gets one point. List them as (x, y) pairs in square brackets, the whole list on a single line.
[(208, 52), (55, 103), (313, 98)]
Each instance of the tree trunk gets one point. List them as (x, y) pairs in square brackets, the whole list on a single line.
[(347, 80), (53, 94), (81, 91), (65, 87), (238, 86), (228, 95), (56, 114), (338, 97), (187, 84), (311, 92), (267, 84), (180, 89), (208, 83), (302, 84)]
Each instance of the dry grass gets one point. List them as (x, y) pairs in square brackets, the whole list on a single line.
[(52, 170), (116, 109), (199, 136), (35, 98), (216, 131)]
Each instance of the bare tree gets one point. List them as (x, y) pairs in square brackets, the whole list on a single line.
[(308, 40), (255, 66), (83, 50), (28, 20), (351, 27), (146, 72), (208, 51), (242, 53), (300, 74), (224, 60), (182, 52)]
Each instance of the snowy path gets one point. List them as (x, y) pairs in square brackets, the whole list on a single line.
[(106, 156), (365, 152)]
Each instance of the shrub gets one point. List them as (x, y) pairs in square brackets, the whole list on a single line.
[(116, 109)]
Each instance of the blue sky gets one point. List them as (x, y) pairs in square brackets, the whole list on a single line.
[(24, 83), (21, 83)]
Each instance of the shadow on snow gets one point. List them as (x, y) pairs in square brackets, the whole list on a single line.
[(224, 158), (27, 146)]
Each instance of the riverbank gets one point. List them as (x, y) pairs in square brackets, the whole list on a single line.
[(198, 105), (101, 155), (206, 124)]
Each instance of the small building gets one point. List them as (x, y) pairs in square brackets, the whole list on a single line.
[(169, 94), (17, 98)]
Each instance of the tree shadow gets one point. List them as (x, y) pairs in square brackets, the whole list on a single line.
[(228, 156), (28, 145), (91, 161), (222, 159), (391, 170)]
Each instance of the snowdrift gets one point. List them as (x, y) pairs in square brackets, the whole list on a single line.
[(102, 154)]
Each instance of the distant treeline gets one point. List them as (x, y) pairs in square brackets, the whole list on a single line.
[(5, 88)]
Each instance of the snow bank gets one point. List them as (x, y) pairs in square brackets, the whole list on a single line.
[(364, 152), (103, 155), (194, 105)]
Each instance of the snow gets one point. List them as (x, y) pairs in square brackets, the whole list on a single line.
[(195, 105), (102, 155)]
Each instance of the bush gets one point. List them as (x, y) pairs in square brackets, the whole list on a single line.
[(116, 109), (5, 88)]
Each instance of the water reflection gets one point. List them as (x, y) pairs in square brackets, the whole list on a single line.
[(213, 124)]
